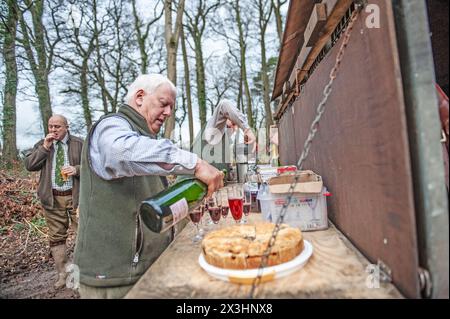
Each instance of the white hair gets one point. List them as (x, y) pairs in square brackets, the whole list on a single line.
[(149, 83)]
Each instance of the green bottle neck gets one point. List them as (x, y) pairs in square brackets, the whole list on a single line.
[(191, 189)]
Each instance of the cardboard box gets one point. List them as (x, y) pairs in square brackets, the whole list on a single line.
[(265, 172), (307, 182), (307, 209)]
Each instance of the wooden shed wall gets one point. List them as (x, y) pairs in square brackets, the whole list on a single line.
[(361, 148)]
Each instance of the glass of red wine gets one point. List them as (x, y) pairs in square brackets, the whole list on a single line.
[(214, 209), (196, 215), (235, 201)]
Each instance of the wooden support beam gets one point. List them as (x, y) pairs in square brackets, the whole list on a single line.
[(293, 77), (330, 4), (283, 104), (336, 13), (317, 21), (302, 56)]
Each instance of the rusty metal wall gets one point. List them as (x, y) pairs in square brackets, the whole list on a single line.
[(361, 149), (287, 142)]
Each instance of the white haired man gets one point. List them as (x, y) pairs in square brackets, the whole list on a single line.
[(122, 164)]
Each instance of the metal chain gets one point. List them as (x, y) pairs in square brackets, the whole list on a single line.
[(312, 132)]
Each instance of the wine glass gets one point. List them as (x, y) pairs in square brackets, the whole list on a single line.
[(206, 203), (235, 201), (223, 199), (196, 215), (202, 208), (247, 204), (214, 208)]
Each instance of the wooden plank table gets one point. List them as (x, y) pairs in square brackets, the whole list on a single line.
[(335, 270)]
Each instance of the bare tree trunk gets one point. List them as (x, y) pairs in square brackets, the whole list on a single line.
[(240, 105), (80, 63), (117, 72), (196, 26), (200, 72), (266, 87), (41, 66), (277, 4), (84, 92), (264, 17), (99, 74), (9, 152), (171, 37), (187, 83), (113, 64), (142, 37), (180, 120), (243, 49)]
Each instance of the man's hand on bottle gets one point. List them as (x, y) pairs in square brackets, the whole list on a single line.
[(209, 175)]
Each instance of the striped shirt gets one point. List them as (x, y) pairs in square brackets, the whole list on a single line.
[(117, 151)]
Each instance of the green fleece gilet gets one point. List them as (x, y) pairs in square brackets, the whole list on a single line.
[(113, 247)]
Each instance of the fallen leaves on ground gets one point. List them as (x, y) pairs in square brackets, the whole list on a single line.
[(26, 268)]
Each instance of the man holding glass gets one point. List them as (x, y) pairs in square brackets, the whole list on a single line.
[(58, 157)]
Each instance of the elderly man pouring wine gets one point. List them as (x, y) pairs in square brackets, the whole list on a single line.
[(122, 164)]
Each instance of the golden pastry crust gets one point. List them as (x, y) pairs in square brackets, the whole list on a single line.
[(242, 246)]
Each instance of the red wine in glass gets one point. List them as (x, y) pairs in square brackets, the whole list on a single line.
[(196, 215), (235, 205), (246, 208), (214, 213), (225, 210)]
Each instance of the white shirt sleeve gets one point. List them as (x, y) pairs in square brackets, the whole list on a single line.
[(215, 127), (117, 151)]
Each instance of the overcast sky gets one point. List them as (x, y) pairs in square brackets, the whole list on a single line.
[(29, 126)]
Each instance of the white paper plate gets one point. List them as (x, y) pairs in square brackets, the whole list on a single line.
[(268, 273)]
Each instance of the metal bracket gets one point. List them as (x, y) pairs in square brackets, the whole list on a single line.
[(425, 282), (385, 272)]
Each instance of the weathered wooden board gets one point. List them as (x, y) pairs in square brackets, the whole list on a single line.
[(298, 64), (335, 12), (315, 24), (333, 20), (335, 270), (296, 21), (361, 148)]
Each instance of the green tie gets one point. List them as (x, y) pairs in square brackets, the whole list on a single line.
[(59, 164)]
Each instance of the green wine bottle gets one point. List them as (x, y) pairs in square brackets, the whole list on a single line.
[(168, 207)]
